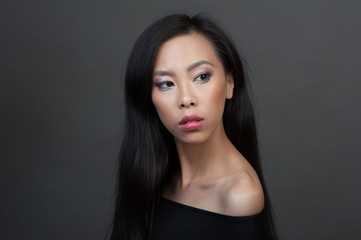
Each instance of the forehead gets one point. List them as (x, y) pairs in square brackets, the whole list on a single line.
[(181, 51)]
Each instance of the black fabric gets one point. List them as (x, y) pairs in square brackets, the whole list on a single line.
[(176, 221)]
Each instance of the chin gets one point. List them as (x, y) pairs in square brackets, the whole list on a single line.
[(192, 138)]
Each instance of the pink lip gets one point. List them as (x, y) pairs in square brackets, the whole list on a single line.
[(190, 123)]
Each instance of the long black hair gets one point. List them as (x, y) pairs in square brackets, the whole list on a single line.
[(148, 156)]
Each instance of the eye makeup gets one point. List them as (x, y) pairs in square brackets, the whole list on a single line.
[(202, 78), (164, 85)]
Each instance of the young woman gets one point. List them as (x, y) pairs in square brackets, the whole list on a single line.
[(189, 164)]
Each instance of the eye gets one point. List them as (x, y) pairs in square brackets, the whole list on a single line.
[(166, 85), (202, 78)]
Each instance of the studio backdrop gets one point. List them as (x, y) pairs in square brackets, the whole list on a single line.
[(62, 65)]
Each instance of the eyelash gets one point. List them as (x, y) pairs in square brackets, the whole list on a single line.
[(161, 86), (208, 76)]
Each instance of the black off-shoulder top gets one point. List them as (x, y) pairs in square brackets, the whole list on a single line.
[(177, 221)]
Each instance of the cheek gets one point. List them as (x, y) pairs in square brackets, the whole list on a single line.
[(157, 102), (215, 103), (163, 109), (217, 96)]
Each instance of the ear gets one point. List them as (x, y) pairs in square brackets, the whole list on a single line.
[(230, 86)]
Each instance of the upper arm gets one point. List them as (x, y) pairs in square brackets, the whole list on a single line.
[(244, 197)]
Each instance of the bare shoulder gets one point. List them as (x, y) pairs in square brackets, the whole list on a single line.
[(243, 195)]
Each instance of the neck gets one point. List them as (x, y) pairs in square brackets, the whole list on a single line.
[(206, 160)]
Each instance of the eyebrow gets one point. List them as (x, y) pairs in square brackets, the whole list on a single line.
[(190, 68), (163, 73), (197, 64)]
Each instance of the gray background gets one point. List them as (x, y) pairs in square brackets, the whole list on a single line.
[(61, 109)]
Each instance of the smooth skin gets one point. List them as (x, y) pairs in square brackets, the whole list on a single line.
[(189, 78)]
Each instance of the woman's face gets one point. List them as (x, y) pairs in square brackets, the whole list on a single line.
[(190, 88)]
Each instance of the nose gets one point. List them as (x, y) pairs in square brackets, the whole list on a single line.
[(187, 103), (186, 97)]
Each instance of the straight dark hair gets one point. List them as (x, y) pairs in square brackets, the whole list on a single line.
[(148, 156)]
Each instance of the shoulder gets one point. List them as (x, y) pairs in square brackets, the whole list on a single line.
[(243, 195)]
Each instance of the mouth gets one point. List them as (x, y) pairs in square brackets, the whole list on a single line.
[(190, 123), (191, 118)]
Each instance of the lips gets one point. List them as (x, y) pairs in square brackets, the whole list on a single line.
[(190, 123)]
